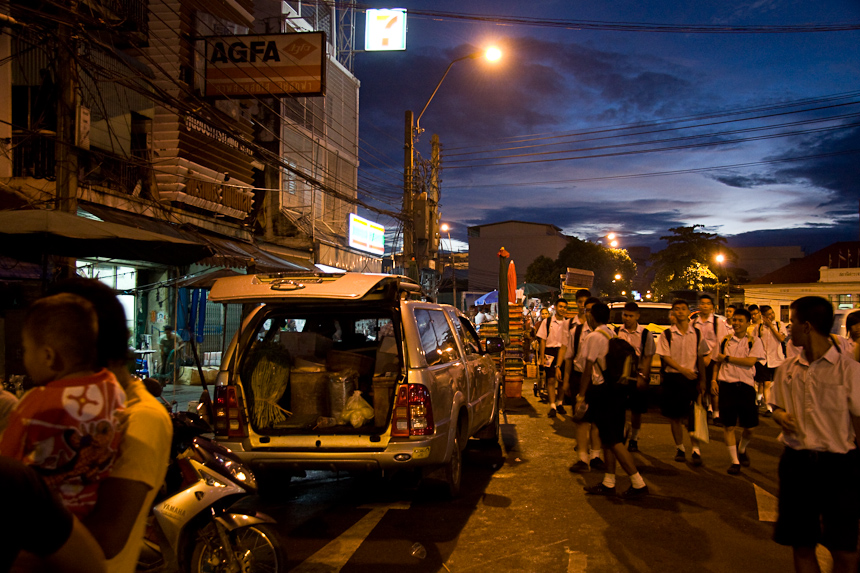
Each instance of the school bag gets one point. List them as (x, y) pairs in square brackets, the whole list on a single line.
[(645, 334), (619, 360), (781, 343)]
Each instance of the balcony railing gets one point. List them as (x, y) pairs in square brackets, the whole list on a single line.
[(33, 155)]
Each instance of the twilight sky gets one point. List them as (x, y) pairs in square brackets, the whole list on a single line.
[(601, 130)]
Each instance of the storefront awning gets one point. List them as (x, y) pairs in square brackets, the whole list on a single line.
[(28, 235)]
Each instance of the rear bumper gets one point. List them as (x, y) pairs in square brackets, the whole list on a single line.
[(396, 455)]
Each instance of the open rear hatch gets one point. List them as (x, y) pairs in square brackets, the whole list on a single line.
[(320, 369)]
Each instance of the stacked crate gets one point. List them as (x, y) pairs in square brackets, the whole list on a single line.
[(514, 363)]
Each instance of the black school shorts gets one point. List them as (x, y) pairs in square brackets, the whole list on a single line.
[(737, 405), (819, 501), (607, 409), (678, 396)]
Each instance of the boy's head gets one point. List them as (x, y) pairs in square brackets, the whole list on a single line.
[(730, 311), (810, 314), (740, 322), (59, 336), (706, 304), (598, 314), (581, 296), (755, 313), (630, 315), (680, 310), (561, 308)]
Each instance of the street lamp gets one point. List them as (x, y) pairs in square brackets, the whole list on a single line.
[(720, 258), (445, 228), (613, 242), (413, 129)]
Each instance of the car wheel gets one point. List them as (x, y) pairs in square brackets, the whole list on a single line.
[(454, 469)]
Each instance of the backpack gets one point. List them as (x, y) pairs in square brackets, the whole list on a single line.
[(645, 333), (784, 351), (729, 337), (577, 334), (619, 360)]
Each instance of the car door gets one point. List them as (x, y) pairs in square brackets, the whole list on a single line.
[(443, 357), (478, 371)]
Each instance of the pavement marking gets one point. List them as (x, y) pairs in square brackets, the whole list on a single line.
[(767, 504), (340, 550), (577, 561)]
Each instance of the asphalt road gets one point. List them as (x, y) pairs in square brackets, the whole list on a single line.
[(522, 510)]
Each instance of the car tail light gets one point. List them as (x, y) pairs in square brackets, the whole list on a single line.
[(229, 418), (413, 412)]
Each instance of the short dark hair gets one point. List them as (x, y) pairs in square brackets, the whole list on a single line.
[(743, 312), (732, 306), (764, 308), (583, 292), (706, 296), (591, 300), (753, 307), (852, 319), (66, 322), (168, 327), (631, 306), (112, 342), (815, 310), (600, 312), (562, 299), (678, 301)]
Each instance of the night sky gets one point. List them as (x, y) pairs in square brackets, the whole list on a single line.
[(604, 130)]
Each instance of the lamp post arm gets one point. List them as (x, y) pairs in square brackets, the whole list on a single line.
[(448, 69)]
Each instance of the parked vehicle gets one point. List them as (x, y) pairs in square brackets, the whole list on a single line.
[(195, 527), (350, 372)]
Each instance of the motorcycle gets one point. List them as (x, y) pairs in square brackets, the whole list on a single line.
[(195, 526)]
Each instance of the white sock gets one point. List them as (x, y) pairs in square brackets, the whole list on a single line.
[(609, 480), (634, 434), (742, 448), (680, 447), (636, 481), (697, 451), (733, 453), (552, 406)]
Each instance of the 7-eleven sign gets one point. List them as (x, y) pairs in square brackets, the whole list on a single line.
[(385, 30)]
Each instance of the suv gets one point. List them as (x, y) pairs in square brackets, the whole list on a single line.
[(652, 315), (315, 349)]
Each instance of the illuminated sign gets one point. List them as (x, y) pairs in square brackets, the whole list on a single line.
[(271, 64), (385, 30), (366, 235)]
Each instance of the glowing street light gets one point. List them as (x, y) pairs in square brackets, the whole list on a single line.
[(618, 277), (720, 258)]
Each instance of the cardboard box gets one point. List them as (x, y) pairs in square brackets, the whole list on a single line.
[(306, 344)]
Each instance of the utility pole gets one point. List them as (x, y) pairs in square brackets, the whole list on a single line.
[(67, 113), (435, 196), (408, 176)]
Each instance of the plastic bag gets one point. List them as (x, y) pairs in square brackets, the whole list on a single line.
[(700, 423), (357, 411)]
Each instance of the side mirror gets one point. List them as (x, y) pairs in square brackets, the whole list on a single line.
[(494, 345)]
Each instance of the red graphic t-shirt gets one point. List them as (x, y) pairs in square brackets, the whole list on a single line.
[(69, 430)]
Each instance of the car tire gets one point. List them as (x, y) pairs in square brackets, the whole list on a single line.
[(454, 469)]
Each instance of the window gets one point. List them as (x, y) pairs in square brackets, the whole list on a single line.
[(470, 338), (437, 338)]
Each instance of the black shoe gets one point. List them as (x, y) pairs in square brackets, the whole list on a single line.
[(599, 489), (579, 467), (535, 388), (552, 413), (633, 446), (598, 464), (560, 409), (680, 456), (696, 459), (734, 469), (767, 413), (744, 458), (635, 493)]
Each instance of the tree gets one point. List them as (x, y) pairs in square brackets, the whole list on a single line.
[(545, 271), (688, 262)]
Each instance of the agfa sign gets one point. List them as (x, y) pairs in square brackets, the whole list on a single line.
[(270, 65)]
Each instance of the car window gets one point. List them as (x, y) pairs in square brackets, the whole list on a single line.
[(471, 342), (437, 338)]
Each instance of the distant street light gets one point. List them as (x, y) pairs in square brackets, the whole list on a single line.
[(412, 129), (720, 258)]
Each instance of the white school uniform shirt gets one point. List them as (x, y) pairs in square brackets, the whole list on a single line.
[(683, 349), (772, 345), (594, 347), (740, 348), (572, 324), (579, 359), (557, 335), (634, 338), (706, 327), (822, 396)]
